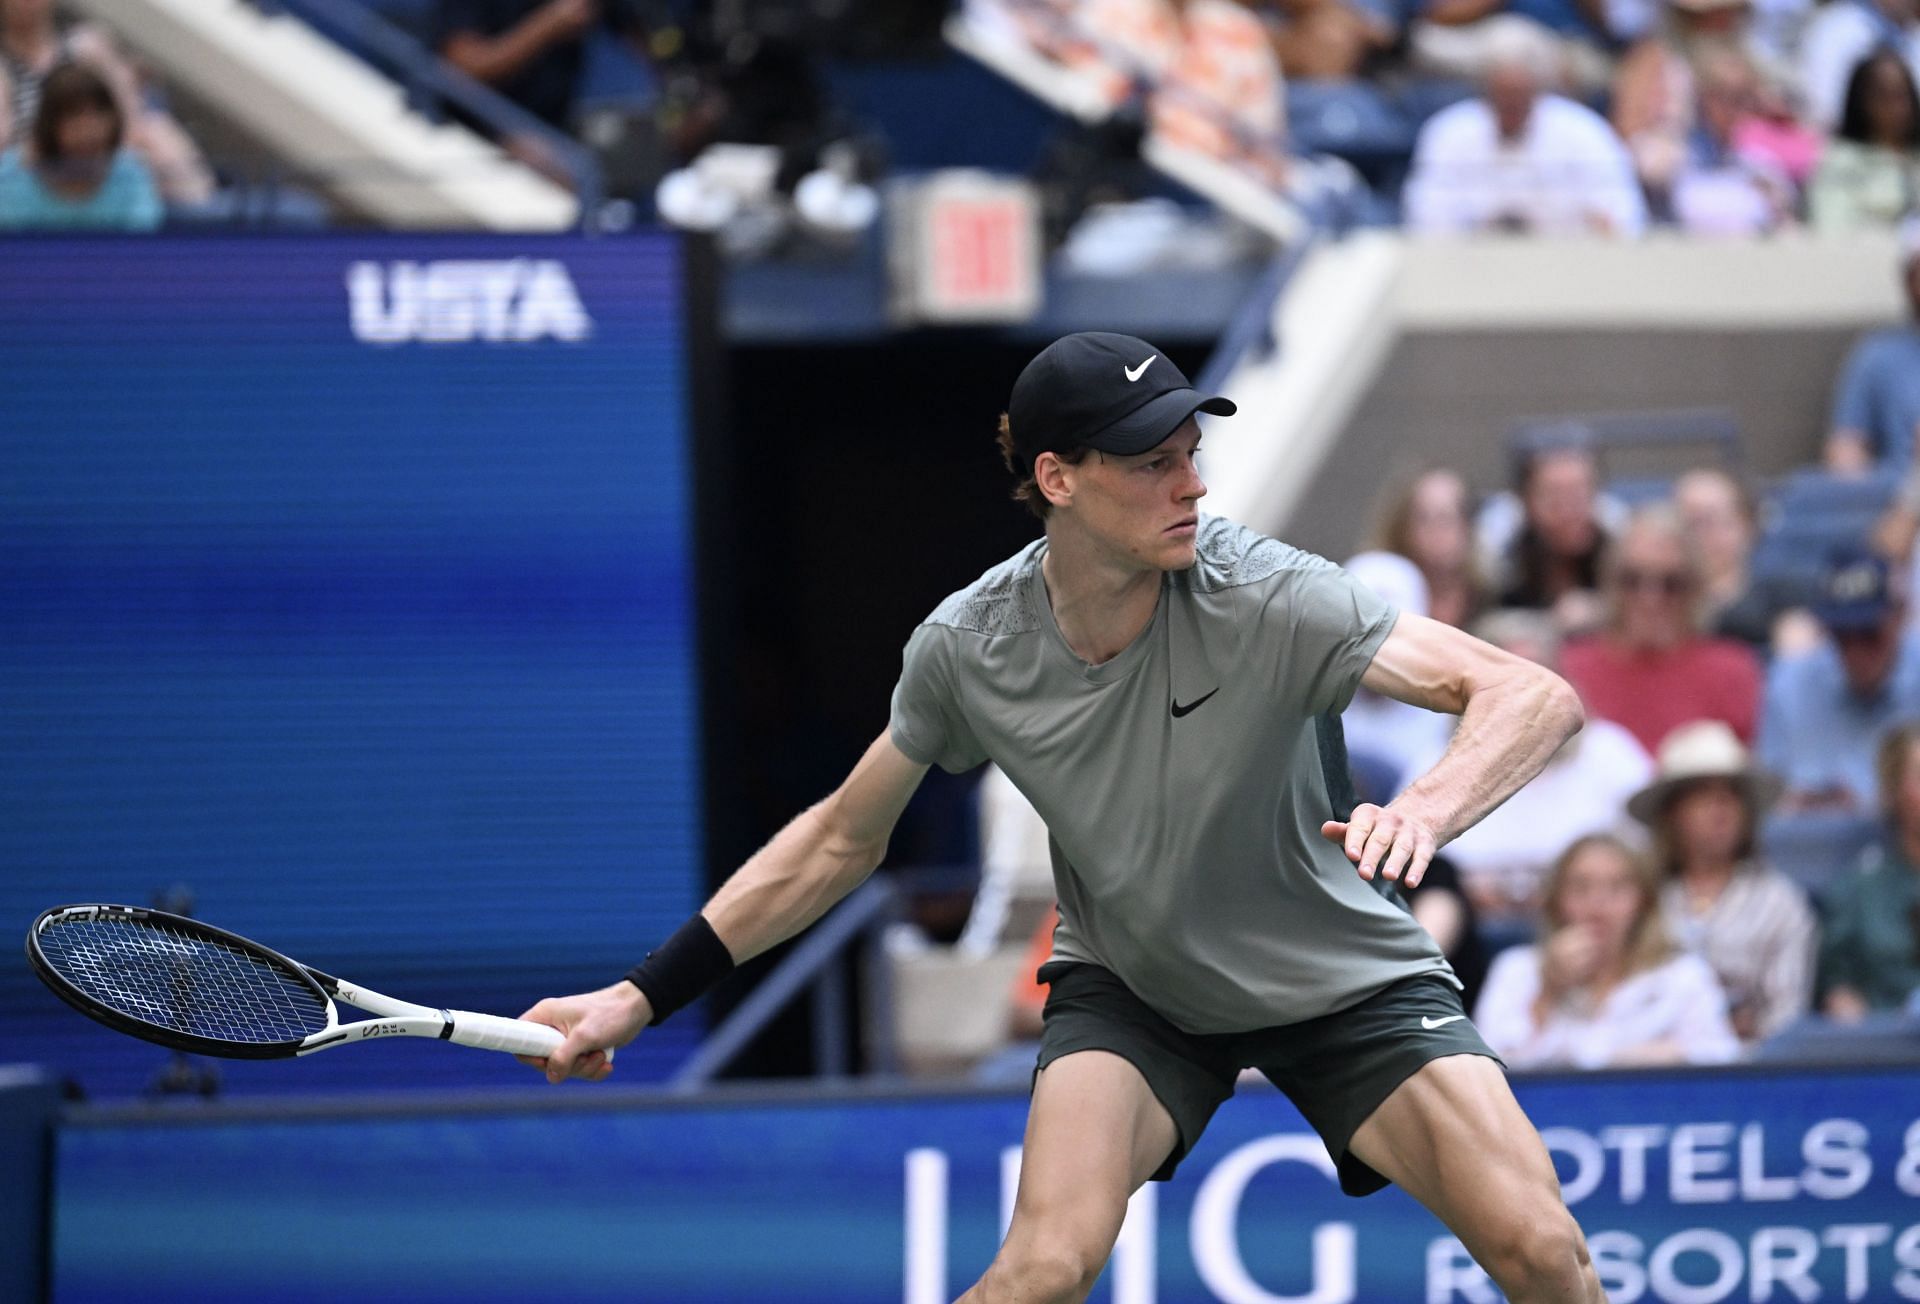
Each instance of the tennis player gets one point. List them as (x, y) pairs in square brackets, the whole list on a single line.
[(1153, 680)]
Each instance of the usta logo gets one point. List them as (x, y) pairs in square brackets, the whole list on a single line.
[(513, 300)]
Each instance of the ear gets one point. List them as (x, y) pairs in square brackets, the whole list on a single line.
[(1054, 478)]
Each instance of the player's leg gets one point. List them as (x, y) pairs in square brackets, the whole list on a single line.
[(1453, 1137), (1095, 1132)]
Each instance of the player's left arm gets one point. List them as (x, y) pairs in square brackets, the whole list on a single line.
[(1513, 716)]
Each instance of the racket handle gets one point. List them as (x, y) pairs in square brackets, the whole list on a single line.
[(514, 1036)]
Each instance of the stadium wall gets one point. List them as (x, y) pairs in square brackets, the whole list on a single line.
[(1693, 1187), (1397, 351)]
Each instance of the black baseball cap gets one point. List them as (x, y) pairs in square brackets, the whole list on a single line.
[(1099, 390)]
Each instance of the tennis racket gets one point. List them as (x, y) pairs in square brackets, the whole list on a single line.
[(176, 981)]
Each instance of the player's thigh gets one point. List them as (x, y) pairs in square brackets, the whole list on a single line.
[(1095, 1133), (1453, 1137)]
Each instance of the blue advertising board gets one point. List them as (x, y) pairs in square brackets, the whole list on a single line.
[(1693, 1188), (348, 589)]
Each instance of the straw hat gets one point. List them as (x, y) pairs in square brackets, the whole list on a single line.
[(1705, 749)]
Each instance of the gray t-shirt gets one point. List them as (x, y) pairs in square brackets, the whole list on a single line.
[(1181, 781)]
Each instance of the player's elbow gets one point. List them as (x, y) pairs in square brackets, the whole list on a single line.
[(854, 850), (1561, 709)]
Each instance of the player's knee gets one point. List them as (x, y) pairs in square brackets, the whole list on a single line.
[(1535, 1254), (1053, 1266)]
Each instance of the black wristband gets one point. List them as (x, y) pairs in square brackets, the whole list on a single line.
[(680, 969)]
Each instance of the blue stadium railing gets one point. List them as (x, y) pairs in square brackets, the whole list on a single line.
[(432, 84)]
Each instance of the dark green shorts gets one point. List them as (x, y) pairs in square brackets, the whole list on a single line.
[(1336, 1069)]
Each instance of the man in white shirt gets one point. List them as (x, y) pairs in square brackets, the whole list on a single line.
[(1519, 159)]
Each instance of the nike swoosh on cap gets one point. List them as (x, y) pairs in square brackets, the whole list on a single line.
[(1134, 373), (1430, 1023)]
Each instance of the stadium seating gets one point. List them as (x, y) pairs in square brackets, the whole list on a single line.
[(1816, 848)]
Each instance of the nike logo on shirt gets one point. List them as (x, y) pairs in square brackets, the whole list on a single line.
[(1194, 705), (1134, 373), (1430, 1023)]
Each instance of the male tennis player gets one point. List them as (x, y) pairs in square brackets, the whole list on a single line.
[(1151, 679)]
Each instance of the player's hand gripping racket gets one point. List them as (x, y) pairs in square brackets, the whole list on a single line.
[(197, 988)]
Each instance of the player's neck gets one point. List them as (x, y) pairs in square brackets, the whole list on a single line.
[(1100, 604)]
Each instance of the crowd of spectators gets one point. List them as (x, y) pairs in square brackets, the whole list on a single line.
[(1630, 885), (1551, 116), (1554, 116), (86, 139)]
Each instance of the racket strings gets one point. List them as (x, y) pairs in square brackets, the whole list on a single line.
[(161, 975)]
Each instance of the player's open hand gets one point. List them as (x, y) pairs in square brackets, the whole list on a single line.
[(595, 1024), (1384, 841)]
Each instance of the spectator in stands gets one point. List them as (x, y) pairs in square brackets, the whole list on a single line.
[(1722, 523), (1842, 33), (1652, 670), (1442, 906), (1386, 738), (1870, 173), (1870, 955), (1467, 39), (180, 170), (531, 51), (1504, 859), (73, 172), (1517, 159), (1208, 68), (1332, 39), (1429, 521), (1223, 94), (1828, 707), (1552, 563), (1027, 1001), (1724, 185), (1655, 92), (1016, 866), (1607, 987), (1746, 919), (1876, 408), (32, 45)]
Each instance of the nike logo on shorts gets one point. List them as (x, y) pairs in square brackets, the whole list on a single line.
[(1134, 373), (1431, 1023)]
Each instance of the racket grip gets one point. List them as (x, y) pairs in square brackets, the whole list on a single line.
[(514, 1036)]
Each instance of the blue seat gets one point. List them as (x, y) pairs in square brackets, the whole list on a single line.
[(1348, 118), (1639, 491), (1817, 848), (1797, 545), (1881, 1038), (1812, 489)]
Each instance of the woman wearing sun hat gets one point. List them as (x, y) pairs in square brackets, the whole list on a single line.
[(1749, 921)]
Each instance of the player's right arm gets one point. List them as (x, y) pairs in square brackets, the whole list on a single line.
[(819, 857)]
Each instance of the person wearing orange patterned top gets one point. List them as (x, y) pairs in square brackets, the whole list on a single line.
[(1214, 82)]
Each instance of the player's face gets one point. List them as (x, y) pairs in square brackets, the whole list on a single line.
[(1144, 505)]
